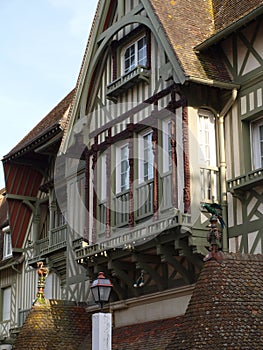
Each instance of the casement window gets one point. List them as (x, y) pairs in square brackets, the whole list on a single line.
[(6, 304), (135, 55), (103, 183), (167, 146), (123, 169), (207, 156), (207, 138), (147, 157), (257, 143), (7, 251)]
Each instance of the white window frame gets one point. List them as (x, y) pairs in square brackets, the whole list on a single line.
[(7, 248), (121, 159), (207, 138), (6, 303), (257, 143), (103, 183), (137, 60), (167, 147), (143, 177)]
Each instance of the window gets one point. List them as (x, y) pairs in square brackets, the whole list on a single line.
[(123, 169), (257, 142), (207, 138), (207, 156), (147, 157), (6, 303), (7, 243), (167, 146), (135, 55)]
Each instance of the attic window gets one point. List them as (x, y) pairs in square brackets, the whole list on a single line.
[(134, 58), (135, 55), (7, 243)]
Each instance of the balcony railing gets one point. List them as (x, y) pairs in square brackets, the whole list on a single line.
[(56, 240), (245, 182), (22, 315), (124, 82), (4, 328), (144, 197), (122, 208), (209, 178), (166, 200), (138, 235)]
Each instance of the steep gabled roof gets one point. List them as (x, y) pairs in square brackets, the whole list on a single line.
[(226, 308), (227, 12), (56, 117), (22, 179)]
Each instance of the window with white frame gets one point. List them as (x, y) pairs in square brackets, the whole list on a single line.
[(6, 303), (257, 143), (207, 138), (207, 156), (7, 251), (167, 146), (135, 55), (147, 157), (123, 169), (103, 183)]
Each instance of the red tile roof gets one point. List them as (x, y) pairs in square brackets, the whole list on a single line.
[(226, 308), (226, 12), (188, 23), (149, 335)]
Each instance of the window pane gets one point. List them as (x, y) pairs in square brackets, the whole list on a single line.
[(142, 52), (148, 157), (125, 168), (207, 140), (6, 303), (129, 59)]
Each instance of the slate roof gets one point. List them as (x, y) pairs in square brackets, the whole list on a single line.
[(226, 308), (57, 325), (56, 117)]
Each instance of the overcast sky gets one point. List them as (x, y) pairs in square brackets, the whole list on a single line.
[(42, 46)]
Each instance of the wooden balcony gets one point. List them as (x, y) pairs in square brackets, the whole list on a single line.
[(140, 234), (56, 241), (245, 182), (126, 81)]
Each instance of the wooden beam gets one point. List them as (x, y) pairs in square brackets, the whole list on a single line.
[(145, 266), (168, 253)]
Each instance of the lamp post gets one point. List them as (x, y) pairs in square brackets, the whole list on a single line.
[(101, 322)]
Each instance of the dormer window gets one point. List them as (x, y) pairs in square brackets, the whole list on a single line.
[(131, 65), (135, 55), (7, 243)]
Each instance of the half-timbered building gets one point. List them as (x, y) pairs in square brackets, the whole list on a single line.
[(243, 56), (33, 227), (146, 134), (165, 129)]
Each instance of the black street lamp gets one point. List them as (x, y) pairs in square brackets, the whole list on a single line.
[(101, 288)]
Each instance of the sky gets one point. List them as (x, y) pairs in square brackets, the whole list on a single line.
[(42, 46)]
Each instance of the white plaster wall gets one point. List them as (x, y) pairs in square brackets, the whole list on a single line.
[(149, 311)]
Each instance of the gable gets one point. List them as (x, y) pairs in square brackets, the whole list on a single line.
[(112, 24)]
